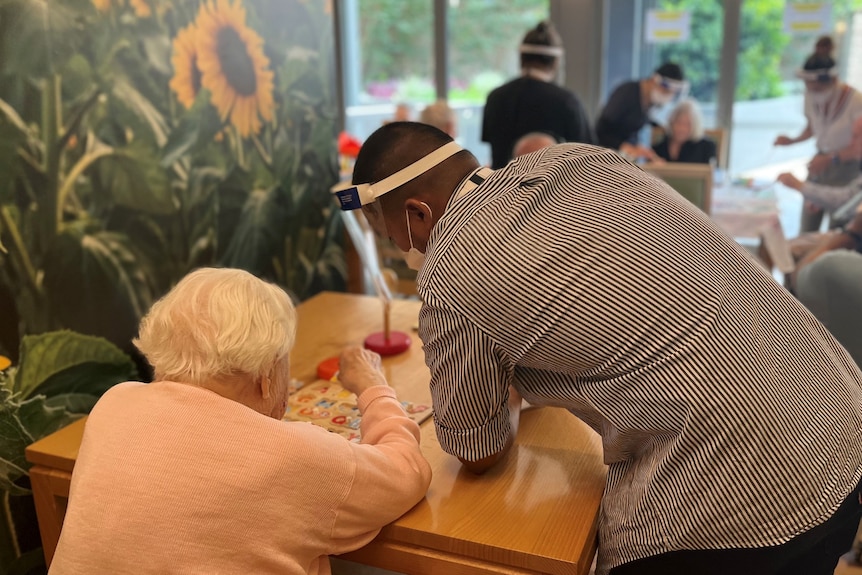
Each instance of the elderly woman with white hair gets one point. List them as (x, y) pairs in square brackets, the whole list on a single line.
[(684, 141), (196, 472)]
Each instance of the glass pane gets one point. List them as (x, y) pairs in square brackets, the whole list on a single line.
[(483, 53), (631, 55), (389, 46), (769, 98)]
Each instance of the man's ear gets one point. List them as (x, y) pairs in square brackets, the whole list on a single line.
[(418, 209)]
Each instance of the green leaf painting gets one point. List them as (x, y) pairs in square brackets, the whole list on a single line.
[(139, 140), (138, 143)]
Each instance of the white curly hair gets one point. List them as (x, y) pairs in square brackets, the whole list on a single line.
[(218, 322)]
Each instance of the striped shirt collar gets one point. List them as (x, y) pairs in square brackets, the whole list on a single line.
[(471, 182)]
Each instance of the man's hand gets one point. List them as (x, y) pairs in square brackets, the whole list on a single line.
[(783, 140), (359, 369), (819, 164), (791, 181)]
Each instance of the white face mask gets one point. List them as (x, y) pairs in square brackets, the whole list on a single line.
[(414, 258)]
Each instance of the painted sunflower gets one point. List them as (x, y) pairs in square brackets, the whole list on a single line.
[(233, 66), (102, 5), (186, 82), (142, 8)]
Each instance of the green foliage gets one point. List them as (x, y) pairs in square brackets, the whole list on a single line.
[(111, 190), (397, 44), (766, 53), (59, 378)]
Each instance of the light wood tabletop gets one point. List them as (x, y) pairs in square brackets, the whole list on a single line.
[(535, 512)]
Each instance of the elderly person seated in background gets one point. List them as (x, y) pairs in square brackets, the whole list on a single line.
[(533, 142), (441, 116), (196, 472), (684, 141)]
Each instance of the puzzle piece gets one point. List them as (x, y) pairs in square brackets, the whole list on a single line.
[(327, 404)]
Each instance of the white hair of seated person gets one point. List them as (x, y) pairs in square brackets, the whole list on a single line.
[(532, 142), (691, 109), (216, 324), (439, 115)]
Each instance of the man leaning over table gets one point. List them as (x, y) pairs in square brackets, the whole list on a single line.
[(731, 420)]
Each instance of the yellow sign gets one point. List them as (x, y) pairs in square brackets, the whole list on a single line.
[(808, 17), (667, 26)]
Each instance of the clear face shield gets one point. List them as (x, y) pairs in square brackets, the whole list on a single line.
[(365, 196), (674, 90)]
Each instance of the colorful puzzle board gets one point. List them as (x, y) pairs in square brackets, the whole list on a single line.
[(327, 404)]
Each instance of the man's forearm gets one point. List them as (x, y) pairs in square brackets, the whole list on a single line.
[(484, 464)]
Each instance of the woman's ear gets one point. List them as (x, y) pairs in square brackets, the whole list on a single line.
[(266, 386)]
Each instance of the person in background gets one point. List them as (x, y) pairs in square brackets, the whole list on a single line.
[(828, 281), (533, 102), (532, 142), (827, 197), (831, 107), (197, 473), (730, 419), (441, 116), (628, 108), (684, 141)]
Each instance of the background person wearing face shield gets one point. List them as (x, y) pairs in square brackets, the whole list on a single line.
[(831, 107), (627, 110), (533, 102)]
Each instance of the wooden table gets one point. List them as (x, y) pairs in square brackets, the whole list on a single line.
[(752, 218), (536, 512)]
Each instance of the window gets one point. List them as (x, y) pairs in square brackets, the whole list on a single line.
[(388, 60), (483, 53)]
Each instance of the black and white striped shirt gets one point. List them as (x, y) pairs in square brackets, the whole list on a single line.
[(729, 416)]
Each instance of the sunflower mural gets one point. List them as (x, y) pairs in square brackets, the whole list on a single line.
[(186, 82), (232, 65), (141, 8)]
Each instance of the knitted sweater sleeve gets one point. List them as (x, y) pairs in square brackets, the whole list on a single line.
[(390, 474)]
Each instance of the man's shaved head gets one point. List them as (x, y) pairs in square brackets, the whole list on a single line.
[(393, 147)]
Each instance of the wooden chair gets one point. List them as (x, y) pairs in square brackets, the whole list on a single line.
[(719, 136), (692, 181)]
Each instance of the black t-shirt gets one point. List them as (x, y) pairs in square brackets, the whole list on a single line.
[(694, 152), (527, 105), (622, 117)]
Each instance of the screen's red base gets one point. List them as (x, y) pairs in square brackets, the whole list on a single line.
[(398, 342)]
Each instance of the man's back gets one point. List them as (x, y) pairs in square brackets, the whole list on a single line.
[(705, 378), (526, 105)]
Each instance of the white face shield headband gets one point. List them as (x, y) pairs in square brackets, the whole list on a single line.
[(355, 196), (541, 50)]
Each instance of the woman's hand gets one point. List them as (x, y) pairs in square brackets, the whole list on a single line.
[(359, 369)]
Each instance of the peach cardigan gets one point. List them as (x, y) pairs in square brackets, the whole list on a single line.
[(173, 478)]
